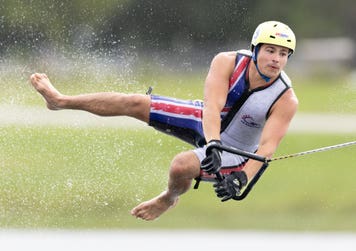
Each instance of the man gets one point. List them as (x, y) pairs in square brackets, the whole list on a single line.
[(248, 104)]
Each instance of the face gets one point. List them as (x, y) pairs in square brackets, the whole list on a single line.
[(272, 59)]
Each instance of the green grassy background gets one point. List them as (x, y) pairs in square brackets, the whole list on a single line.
[(68, 177), (76, 178)]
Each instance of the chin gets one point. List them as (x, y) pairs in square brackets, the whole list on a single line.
[(273, 74)]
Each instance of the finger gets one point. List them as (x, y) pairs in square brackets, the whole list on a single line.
[(207, 168), (222, 194), (226, 198), (220, 190), (207, 161), (217, 184)]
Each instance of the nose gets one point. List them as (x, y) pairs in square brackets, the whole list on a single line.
[(276, 57)]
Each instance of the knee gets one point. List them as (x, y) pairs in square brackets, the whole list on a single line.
[(178, 166), (138, 106), (185, 165), (135, 100)]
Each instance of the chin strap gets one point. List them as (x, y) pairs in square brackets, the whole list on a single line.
[(254, 58)]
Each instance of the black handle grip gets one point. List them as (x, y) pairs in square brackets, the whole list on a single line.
[(241, 153)]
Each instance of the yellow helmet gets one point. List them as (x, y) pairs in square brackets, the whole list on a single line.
[(274, 32)]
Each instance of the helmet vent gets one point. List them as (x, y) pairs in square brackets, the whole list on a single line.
[(272, 36)]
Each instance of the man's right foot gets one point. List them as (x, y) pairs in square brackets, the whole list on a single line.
[(42, 84)]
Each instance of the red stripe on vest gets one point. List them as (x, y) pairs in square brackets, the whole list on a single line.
[(240, 68)]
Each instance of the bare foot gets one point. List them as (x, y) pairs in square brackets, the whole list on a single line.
[(42, 84), (152, 209)]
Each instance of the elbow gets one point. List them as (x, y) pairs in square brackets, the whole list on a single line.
[(267, 150)]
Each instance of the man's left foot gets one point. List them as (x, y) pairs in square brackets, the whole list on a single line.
[(152, 209)]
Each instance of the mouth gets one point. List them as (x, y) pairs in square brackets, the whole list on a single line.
[(274, 67)]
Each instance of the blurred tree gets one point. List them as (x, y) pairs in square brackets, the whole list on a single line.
[(31, 25), (161, 24)]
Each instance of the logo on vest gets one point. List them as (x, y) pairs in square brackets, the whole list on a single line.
[(249, 121)]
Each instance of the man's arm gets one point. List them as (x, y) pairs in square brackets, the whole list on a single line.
[(275, 129), (215, 93)]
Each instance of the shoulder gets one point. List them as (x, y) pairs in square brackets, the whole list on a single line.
[(224, 60), (226, 55), (285, 79), (245, 52), (288, 101), (289, 96), (286, 106)]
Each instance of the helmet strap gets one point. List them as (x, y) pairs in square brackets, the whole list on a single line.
[(254, 58)]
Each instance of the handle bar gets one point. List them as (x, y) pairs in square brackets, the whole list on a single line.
[(254, 180)]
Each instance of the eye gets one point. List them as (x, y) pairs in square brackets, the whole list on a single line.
[(283, 54)]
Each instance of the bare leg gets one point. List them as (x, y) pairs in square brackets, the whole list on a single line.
[(103, 104), (184, 168)]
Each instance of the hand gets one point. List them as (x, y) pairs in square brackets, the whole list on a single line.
[(212, 162), (231, 186)]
